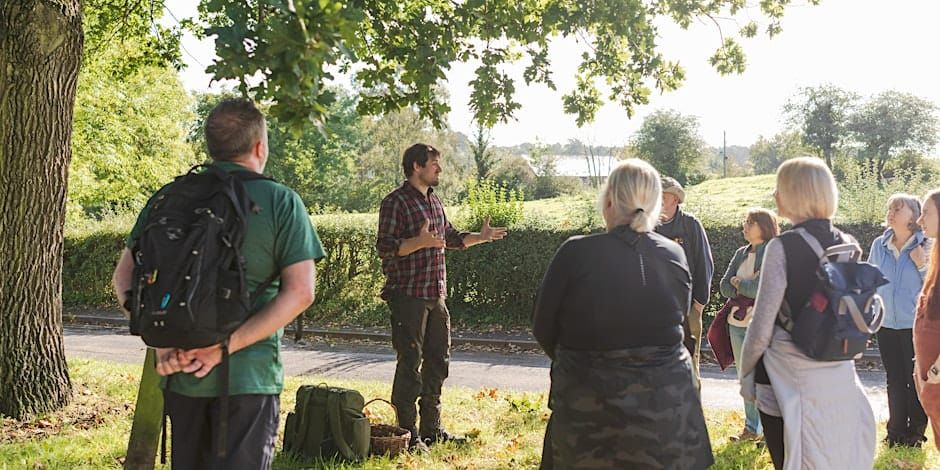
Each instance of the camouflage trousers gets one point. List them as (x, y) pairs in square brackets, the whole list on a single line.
[(630, 408)]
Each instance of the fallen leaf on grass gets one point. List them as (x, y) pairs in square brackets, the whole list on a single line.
[(903, 465), (486, 393)]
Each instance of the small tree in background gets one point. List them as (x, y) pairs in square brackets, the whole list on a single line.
[(821, 115), (892, 122), (483, 155), (671, 143), (767, 154)]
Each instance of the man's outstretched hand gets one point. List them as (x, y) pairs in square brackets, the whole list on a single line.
[(489, 234)]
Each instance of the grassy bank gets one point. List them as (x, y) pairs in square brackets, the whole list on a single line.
[(507, 427)]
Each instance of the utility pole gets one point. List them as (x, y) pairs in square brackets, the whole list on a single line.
[(724, 152)]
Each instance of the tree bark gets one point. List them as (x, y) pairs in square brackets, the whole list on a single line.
[(883, 158), (40, 54)]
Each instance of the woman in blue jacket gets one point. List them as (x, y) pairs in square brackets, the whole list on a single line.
[(741, 279), (901, 255)]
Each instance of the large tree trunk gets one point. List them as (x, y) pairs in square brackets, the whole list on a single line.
[(40, 54)]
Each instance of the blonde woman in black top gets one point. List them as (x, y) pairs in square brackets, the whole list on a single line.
[(609, 313)]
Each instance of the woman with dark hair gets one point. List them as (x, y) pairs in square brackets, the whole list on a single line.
[(609, 314), (899, 254), (927, 321), (739, 285)]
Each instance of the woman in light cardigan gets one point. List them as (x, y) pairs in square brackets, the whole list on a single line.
[(815, 413), (899, 254), (741, 279)]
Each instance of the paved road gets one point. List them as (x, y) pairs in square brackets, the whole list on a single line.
[(507, 371)]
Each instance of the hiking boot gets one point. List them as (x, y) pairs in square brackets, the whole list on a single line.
[(912, 441), (415, 444), (892, 441), (442, 436), (746, 436)]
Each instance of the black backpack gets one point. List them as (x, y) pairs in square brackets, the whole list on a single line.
[(189, 286), (843, 310), (190, 289)]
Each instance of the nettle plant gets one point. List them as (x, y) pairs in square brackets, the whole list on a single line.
[(486, 198)]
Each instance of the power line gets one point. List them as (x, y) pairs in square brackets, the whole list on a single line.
[(178, 22)]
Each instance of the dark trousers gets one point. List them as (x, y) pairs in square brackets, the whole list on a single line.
[(252, 431), (906, 417), (421, 338), (773, 425)]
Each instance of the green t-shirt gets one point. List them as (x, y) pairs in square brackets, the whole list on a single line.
[(279, 236)]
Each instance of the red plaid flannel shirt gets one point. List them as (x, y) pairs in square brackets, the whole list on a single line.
[(421, 274)]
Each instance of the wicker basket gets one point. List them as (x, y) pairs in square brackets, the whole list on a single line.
[(388, 439)]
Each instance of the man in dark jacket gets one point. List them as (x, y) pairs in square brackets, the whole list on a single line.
[(688, 232)]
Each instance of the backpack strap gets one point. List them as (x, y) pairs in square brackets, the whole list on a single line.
[(223, 405), (336, 428), (303, 414), (163, 420), (843, 252), (847, 306)]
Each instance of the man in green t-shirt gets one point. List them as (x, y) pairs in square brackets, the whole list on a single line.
[(280, 239)]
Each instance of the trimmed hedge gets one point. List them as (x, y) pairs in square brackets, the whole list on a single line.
[(492, 284)]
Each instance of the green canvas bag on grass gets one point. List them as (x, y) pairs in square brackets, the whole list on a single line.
[(327, 422)]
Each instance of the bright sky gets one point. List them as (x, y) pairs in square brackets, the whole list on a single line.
[(866, 46)]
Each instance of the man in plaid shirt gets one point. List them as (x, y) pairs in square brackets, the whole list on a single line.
[(413, 233)]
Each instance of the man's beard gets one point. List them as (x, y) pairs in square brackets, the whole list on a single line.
[(433, 181)]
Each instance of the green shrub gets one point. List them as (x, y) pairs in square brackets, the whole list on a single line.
[(89, 259), (493, 284), (863, 196), (347, 279), (488, 199), (350, 277)]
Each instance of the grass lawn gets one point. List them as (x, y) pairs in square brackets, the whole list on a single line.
[(507, 428), (723, 201), (715, 202)]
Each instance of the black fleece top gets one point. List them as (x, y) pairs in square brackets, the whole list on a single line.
[(613, 290)]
